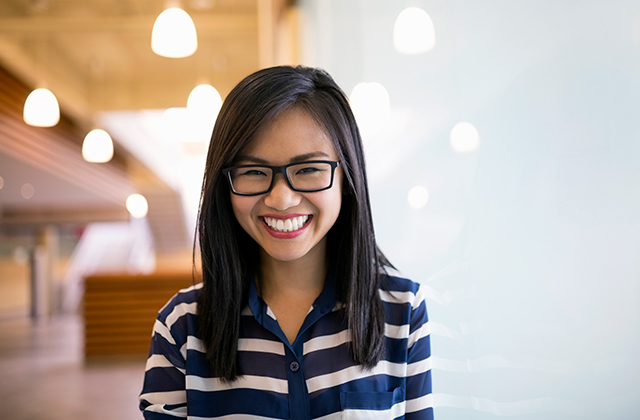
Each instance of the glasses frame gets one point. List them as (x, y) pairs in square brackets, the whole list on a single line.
[(280, 170)]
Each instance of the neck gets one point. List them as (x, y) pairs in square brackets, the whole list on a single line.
[(302, 277)]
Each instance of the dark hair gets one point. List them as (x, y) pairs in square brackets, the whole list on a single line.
[(230, 256)]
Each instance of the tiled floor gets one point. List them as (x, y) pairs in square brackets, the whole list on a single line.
[(43, 375)]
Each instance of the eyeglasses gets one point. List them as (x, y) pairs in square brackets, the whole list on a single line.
[(309, 176)]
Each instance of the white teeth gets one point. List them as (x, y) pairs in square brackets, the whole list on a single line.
[(286, 225)]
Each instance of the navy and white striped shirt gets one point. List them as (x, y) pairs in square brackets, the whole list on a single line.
[(315, 378)]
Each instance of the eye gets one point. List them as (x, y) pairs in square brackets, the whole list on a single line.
[(309, 170), (252, 172)]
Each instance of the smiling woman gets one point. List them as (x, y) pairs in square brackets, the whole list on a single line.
[(298, 315)]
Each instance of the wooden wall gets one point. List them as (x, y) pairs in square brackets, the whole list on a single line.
[(120, 310)]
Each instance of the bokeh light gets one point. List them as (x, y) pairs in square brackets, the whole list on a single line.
[(137, 206), (174, 34), (464, 137), (371, 106), (413, 32), (27, 191), (418, 197), (41, 109), (97, 146)]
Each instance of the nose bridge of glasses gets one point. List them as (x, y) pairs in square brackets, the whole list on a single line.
[(279, 174)]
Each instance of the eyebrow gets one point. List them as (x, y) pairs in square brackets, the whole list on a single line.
[(298, 158)]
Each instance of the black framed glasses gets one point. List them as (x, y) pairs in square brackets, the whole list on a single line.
[(309, 176)]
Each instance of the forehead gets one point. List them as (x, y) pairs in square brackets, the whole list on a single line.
[(293, 133)]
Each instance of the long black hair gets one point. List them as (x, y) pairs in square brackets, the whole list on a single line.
[(230, 257)]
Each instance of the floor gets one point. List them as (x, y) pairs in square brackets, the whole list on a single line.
[(43, 374)]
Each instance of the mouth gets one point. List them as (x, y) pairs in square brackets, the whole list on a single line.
[(287, 225)]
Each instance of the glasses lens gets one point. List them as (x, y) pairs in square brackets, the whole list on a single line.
[(251, 179), (310, 176)]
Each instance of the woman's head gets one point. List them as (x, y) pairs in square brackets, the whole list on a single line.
[(250, 111)]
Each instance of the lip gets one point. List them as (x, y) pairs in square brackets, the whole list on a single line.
[(285, 235)]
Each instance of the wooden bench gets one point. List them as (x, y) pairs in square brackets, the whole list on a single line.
[(120, 310)]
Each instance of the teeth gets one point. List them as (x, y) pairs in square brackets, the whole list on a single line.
[(287, 225)]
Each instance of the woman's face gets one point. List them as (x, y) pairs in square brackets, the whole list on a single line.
[(293, 137)]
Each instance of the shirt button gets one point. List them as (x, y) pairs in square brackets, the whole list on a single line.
[(294, 366)]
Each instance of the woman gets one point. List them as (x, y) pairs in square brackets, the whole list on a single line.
[(296, 317)]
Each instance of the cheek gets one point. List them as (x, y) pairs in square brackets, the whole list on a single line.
[(242, 207)]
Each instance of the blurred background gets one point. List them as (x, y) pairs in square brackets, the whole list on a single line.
[(503, 151)]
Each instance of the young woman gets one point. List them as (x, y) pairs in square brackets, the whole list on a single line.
[(296, 316)]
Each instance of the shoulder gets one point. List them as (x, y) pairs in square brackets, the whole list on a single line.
[(182, 303), (395, 288)]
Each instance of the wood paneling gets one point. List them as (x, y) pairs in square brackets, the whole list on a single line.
[(120, 310)]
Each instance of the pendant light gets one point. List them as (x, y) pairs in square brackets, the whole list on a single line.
[(413, 32), (41, 109), (203, 106), (97, 146), (174, 34), (137, 206)]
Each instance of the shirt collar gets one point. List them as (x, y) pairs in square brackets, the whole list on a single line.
[(324, 303)]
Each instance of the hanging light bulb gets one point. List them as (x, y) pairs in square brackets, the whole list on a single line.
[(97, 146), (137, 206), (174, 34), (203, 106), (371, 106), (464, 137), (413, 32), (41, 109), (204, 100)]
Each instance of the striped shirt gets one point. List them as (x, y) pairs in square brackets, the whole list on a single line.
[(313, 378)]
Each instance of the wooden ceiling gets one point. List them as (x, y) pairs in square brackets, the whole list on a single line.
[(95, 55)]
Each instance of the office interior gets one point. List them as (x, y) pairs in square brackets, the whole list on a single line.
[(503, 154)]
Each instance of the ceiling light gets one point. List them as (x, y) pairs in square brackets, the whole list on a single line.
[(174, 34), (203, 106), (371, 106), (204, 100), (97, 146), (137, 206), (464, 137), (418, 197), (41, 109), (413, 32)]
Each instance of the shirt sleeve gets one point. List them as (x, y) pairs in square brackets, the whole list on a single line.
[(419, 401), (163, 393)]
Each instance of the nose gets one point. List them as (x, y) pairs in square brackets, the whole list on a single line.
[(282, 197)]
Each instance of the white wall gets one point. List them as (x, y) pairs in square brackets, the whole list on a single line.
[(529, 246)]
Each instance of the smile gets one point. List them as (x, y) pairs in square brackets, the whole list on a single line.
[(286, 225)]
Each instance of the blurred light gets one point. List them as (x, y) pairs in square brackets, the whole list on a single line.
[(418, 197), (1, 182), (371, 105), (27, 191), (205, 101), (203, 105), (177, 124), (137, 206), (41, 109), (97, 146), (413, 32), (464, 138), (174, 34)]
